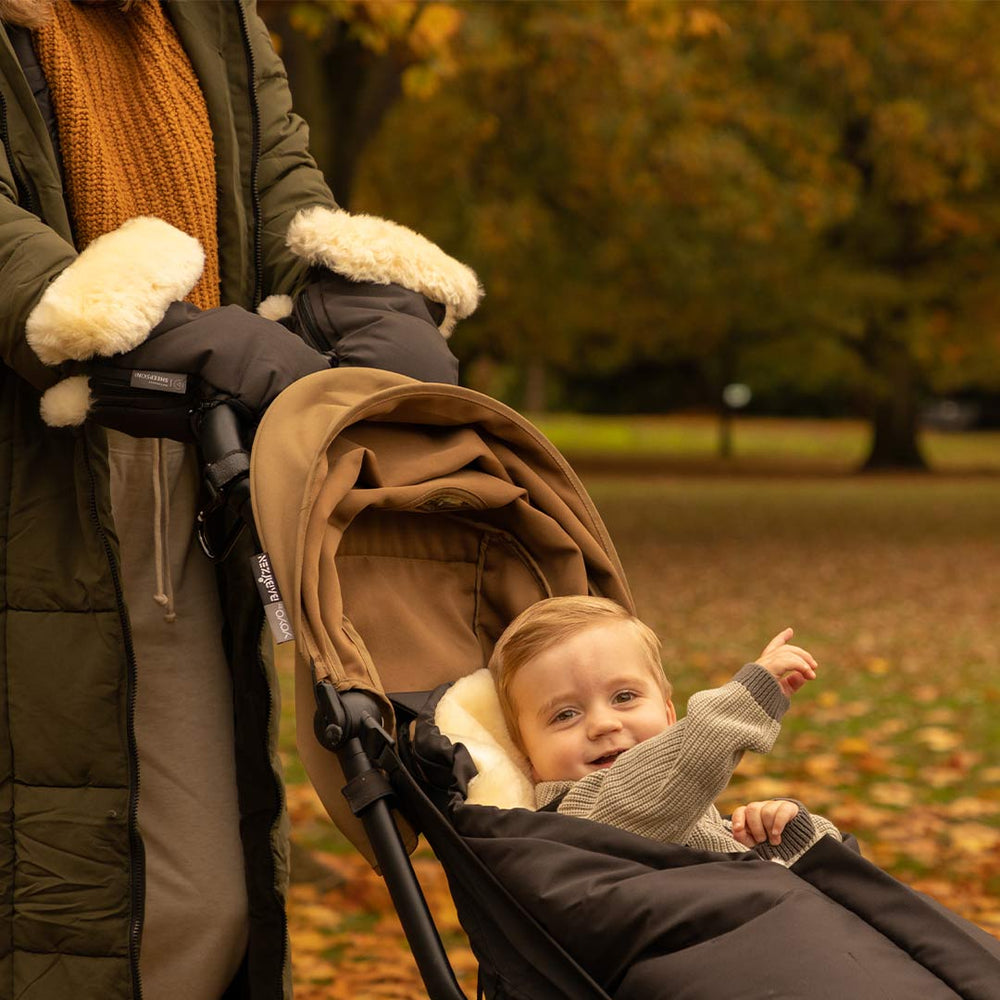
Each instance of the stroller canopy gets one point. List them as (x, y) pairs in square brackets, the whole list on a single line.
[(407, 523)]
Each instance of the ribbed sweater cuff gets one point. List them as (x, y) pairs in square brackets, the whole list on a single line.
[(796, 838), (764, 689)]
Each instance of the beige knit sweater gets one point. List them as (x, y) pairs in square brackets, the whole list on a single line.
[(665, 788)]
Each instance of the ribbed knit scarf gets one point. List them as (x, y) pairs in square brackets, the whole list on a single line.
[(133, 126)]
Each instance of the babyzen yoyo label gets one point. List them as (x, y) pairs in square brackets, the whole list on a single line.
[(274, 607)]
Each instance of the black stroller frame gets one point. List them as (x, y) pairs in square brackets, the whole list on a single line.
[(350, 726)]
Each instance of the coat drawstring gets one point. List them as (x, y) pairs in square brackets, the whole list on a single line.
[(164, 595)]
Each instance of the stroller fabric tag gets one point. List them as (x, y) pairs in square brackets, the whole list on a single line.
[(161, 381), (274, 607)]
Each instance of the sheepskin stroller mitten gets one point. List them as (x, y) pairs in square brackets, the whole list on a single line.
[(358, 324), (140, 360), (192, 360), (378, 295)]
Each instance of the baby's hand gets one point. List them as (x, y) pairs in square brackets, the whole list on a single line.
[(758, 822), (791, 666)]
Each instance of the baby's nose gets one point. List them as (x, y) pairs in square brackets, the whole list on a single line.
[(604, 722)]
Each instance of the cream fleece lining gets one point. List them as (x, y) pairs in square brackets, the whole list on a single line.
[(470, 713)]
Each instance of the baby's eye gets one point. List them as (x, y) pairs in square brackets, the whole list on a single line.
[(564, 716), (624, 696)]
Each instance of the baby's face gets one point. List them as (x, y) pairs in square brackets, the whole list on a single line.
[(582, 703)]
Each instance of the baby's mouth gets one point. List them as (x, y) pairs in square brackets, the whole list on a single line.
[(608, 759)]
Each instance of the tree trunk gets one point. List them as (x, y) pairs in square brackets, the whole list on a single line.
[(895, 412), (725, 370), (725, 449), (536, 390), (342, 89)]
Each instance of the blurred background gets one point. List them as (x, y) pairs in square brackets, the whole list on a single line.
[(665, 198), (734, 255)]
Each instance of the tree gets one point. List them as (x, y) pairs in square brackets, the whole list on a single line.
[(350, 61), (904, 96), (589, 179)]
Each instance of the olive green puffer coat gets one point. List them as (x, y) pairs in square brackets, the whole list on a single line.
[(71, 878)]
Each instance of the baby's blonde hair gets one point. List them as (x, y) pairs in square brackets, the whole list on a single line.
[(550, 622)]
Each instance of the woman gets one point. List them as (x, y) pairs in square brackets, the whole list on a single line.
[(154, 187)]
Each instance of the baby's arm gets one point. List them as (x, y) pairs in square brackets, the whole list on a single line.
[(662, 787)]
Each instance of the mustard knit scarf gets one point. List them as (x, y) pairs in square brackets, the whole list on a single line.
[(133, 126)]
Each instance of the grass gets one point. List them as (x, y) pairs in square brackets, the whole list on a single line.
[(690, 443)]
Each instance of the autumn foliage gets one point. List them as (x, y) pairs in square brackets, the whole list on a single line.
[(804, 196)]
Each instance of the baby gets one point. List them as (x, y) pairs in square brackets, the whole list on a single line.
[(583, 693)]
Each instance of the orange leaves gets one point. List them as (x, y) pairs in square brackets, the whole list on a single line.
[(347, 943), (892, 793), (973, 837), (853, 745)]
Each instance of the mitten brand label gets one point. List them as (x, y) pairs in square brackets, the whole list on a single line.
[(274, 607), (161, 381)]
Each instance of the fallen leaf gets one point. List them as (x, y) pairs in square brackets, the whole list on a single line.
[(937, 738), (974, 837), (893, 793), (877, 666)]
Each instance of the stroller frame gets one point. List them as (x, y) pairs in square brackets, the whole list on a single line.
[(344, 724)]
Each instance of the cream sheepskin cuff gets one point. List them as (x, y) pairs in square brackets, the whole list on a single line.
[(470, 713), (67, 403), (366, 248), (115, 292), (276, 307)]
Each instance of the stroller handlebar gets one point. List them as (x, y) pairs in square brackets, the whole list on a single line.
[(226, 470)]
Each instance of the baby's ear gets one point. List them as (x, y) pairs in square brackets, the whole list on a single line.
[(671, 712)]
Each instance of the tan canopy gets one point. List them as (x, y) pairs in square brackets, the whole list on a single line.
[(407, 523)]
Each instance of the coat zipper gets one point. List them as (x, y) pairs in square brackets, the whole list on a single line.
[(309, 326), (258, 278), (137, 852), (258, 253), (24, 192)]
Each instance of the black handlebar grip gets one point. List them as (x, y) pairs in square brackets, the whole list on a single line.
[(219, 434)]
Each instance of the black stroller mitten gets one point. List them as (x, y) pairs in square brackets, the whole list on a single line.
[(364, 324), (194, 359)]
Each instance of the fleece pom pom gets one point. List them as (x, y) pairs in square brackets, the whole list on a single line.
[(366, 248), (469, 713), (115, 292), (276, 307), (67, 403)]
